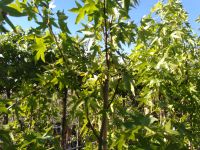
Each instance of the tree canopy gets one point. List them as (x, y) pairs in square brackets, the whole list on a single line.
[(64, 91)]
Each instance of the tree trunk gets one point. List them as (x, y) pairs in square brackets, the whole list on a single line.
[(105, 118), (64, 117), (104, 127)]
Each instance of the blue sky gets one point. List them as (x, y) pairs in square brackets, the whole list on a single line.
[(191, 6)]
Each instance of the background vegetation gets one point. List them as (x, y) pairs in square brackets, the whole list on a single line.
[(60, 91)]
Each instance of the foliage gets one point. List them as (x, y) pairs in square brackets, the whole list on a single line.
[(60, 91)]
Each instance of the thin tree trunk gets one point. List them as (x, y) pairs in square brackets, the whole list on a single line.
[(105, 118), (64, 117), (104, 127)]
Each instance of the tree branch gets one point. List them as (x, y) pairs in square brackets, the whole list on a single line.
[(90, 124)]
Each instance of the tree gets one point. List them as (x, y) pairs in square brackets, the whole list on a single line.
[(102, 97), (164, 61)]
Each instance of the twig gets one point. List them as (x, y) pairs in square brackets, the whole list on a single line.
[(90, 124)]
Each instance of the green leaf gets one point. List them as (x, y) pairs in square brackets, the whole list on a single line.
[(16, 6), (198, 19), (12, 11), (61, 21), (162, 61), (156, 7), (90, 42), (78, 5), (74, 10), (168, 128), (6, 2), (176, 35), (40, 47), (132, 88), (149, 131), (3, 109), (121, 141), (152, 119), (88, 33), (88, 8), (54, 81), (126, 5), (80, 16)]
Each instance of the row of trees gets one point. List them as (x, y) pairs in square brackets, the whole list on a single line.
[(59, 91)]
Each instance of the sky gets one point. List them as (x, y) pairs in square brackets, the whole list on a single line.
[(191, 6)]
